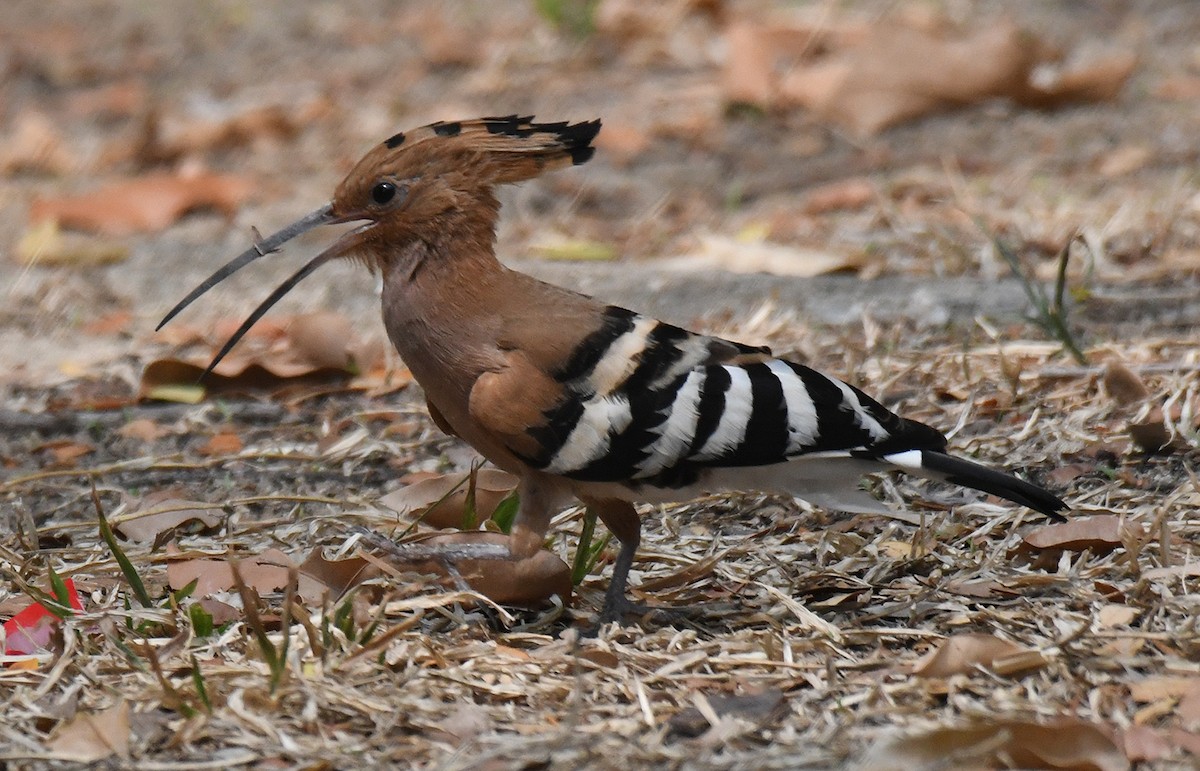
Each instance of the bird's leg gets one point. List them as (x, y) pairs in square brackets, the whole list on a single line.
[(622, 520)]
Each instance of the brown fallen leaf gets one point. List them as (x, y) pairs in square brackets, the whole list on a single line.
[(168, 138), (752, 255), (319, 577), (322, 339), (449, 493), (1101, 534), (530, 581), (964, 653), (65, 452), (36, 144), (1160, 687), (1143, 744), (846, 194), (113, 323), (267, 572), (761, 709), (1063, 744), (1150, 432), (1124, 385), (221, 612), (309, 349), (143, 429), (893, 72), (464, 724), (144, 205), (92, 737), (226, 443), (146, 523)]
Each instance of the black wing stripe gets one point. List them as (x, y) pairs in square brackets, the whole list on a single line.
[(617, 323)]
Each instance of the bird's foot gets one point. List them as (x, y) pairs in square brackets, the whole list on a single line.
[(623, 610)]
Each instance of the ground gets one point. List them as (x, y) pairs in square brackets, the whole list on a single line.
[(807, 642)]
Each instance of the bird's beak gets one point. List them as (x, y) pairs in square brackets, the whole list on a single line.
[(272, 243)]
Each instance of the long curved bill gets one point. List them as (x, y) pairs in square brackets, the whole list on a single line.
[(323, 216), (272, 243)]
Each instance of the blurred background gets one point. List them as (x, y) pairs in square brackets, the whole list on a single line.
[(875, 142)]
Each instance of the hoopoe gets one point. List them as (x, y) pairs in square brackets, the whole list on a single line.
[(586, 401)]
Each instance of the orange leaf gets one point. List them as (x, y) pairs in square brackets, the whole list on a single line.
[(144, 429), (319, 576), (92, 737), (148, 522), (268, 572), (963, 653), (522, 582), (1101, 534), (417, 500), (221, 444), (1064, 744), (144, 205)]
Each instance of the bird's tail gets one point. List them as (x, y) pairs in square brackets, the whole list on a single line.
[(933, 464), (831, 479)]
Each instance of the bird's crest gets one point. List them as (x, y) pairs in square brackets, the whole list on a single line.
[(492, 150)]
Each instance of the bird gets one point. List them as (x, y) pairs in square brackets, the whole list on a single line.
[(586, 401)]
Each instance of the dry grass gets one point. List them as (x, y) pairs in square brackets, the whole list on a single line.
[(824, 614)]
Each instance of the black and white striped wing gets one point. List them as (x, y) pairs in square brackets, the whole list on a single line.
[(650, 403)]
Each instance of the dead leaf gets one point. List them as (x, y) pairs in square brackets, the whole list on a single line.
[(572, 249), (310, 349), (529, 581), (893, 72), (65, 452), (1100, 534), (1144, 744), (964, 653), (417, 500), (226, 443), (846, 194), (45, 244), (146, 523), (89, 738), (464, 724), (758, 708), (168, 138), (267, 572), (322, 339), (144, 205), (1064, 744), (1187, 711), (143, 429), (36, 144), (1172, 571), (1123, 160), (221, 612), (319, 577), (1123, 384), (114, 323), (1113, 615), (1153, 689), (719, 252)]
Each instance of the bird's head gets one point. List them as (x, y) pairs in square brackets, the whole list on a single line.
[(411, 185)]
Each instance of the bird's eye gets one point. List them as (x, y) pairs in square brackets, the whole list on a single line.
[(383, 193)]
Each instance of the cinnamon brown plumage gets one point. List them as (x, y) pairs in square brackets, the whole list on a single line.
[(587, 401)]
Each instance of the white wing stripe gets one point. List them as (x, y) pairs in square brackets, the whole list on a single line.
[(619, 361), (602, 418), (803, 430), (679, 428), (861, 416), (735, 416)]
